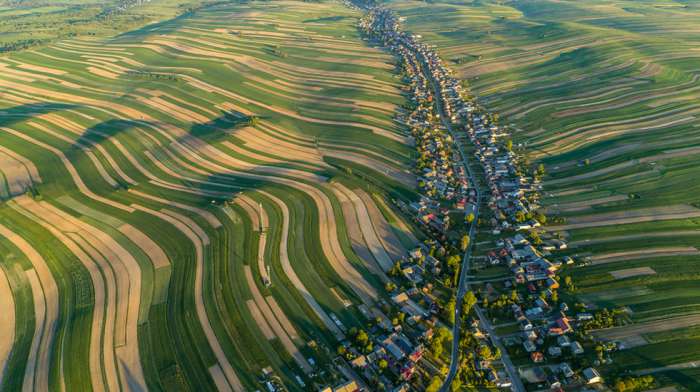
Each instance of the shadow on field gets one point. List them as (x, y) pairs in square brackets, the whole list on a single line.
[(217, 128), (16, 114)]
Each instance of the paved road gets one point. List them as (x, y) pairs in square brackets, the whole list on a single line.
[(463, 286)]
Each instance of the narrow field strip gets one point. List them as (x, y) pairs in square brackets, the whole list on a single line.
[(644, 254), (632, 272), (261, 224)]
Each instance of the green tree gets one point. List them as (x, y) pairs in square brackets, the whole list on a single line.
[(449, 311), (540, 170), (514, 296), (362, 338), (468, 302), (435, 384), (465, 242), (540, 217), (485, 352), (454, 261), (470, 218)]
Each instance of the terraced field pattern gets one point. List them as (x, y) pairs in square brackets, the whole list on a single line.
[(153, 182), (606, 95)]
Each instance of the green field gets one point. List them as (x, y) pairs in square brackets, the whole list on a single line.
[(605, 94), (124, 161)]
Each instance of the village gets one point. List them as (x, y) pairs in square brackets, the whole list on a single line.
[(407, 348)]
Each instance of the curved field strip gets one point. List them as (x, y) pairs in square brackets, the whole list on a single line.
[(643, 254), (125, 283), (360, 245), (368, 233), (15, 176), (272, 320), (388, 239), (199, 239), (7, 309), (46, 313), (291, 274), (260, 224)]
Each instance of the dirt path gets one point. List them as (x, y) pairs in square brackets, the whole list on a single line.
[(291, 274), (46, 309), (199, 239), (7, 309)]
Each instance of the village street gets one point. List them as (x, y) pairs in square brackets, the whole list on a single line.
[(463, 286)]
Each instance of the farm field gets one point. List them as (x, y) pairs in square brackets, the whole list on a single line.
[(174, 193), (605, 95)]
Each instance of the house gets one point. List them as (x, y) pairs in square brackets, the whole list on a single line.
[(584, 317), (592, 376), (566, 370), (349, 386), (529, 346), (554, 351), (415, 253), (359, 362), (576, 348), (561, 326), (530, 335), (537, 357), (563, 341)]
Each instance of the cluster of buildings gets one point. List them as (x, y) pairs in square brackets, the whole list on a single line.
[(546, 326), (443, 179), (390, 351), (444, 182)]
